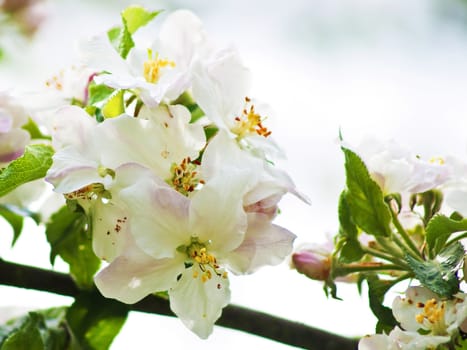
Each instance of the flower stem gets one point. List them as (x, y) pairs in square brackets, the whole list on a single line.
[(381, 255), (411, 247)]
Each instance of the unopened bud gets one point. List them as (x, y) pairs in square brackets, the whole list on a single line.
[(312, 263)]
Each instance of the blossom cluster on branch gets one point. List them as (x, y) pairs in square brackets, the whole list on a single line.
[(401, 219), (162, 166)]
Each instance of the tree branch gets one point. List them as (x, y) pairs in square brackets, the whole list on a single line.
[(234, 317)]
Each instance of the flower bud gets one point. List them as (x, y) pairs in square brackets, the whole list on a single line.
[(313, 262)]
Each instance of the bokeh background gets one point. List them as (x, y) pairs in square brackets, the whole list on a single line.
[(382, 68)]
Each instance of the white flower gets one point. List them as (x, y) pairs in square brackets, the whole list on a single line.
[(221, 85), (93, 162), (397, 170), (401, 340), (426, 321), (455, 188), (423, 309), (185, 244), (13, 139), (160, 71)]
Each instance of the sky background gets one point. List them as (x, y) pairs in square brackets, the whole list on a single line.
[(381, 68)]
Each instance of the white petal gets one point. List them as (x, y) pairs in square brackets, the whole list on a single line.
[(220, 86), (134, 275), (99, 54), (199, 304), (216, 212), (109, 229), (264, 244), (72, 126), (159, 218), (376, 342)]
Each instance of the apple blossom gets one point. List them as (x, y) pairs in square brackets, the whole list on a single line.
[(159, 71), (397, 170), (221, 85), (184, 245)]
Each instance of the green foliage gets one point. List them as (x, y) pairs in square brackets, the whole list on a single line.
[(114, 105), (187, 100), (137, 17), (94, 321), (364, 198), (40, 330), (376, 291), (347, 245), (98, 93), (34, 130), (133, 18), (15, 217), (33, 165), (439, 229), (440, 275), (67, 232)]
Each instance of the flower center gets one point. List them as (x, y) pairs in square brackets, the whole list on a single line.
[(88, 192), (198, 254), (185, 177), (250, 122), (153, 66), (433, 313)]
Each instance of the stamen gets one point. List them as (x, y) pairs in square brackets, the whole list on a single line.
[(152, 67), (185, 177), (250, 122), (207, 263), (87, 192), (433, 312)]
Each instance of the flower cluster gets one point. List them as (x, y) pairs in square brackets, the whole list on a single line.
[(401, 218), (172, 162)]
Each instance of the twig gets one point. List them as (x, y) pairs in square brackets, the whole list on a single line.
[(234, 317)]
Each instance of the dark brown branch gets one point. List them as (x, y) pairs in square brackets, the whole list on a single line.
[(234, 317)]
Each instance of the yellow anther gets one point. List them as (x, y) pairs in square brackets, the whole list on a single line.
[(153, 66), (433, 312), (437, 160), (225, 274), (250, 122), (195, 274), (185, 177)]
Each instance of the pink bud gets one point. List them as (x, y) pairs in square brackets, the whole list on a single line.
[(312, 263)]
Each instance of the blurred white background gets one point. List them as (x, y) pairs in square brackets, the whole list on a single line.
[(390, 69)]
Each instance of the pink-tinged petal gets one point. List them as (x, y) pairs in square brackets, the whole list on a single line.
[(264, 244), (199, 304), (109, 229), (12, 144), (216, 212), (134, 275), (6, 121), (71, 171), (159, 217)]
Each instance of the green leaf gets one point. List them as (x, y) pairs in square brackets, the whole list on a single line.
[(348, 246), (98, 93), (69, 238), (41, 330), (95, 321), (377, 289), (136, 17), (114, 106), (113, 34), (15, 217), (440, 275), (33, 165), (125, 41), (439, 229), (34, 130), (364, 198)]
